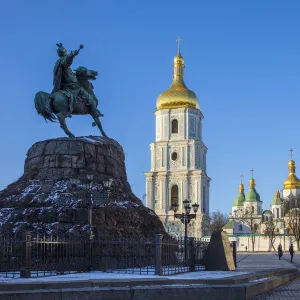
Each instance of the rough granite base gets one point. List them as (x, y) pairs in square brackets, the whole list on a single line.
[(38, 201)]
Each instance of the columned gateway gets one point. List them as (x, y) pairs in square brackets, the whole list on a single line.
[(178, 157)]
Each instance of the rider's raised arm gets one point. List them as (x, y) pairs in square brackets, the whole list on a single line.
[(68, 59)]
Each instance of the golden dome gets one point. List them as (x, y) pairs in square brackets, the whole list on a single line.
[(241, 186), (178, 59), (291, 163), (241, 189), (178, 95), (252, 183), (292, 182)]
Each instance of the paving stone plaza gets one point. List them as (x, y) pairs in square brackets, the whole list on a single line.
[(289, 291), (255, 262)]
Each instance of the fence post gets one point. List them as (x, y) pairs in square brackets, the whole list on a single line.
[(192, 254), (234, 252), (89, 253), (25, 272), (158, 254)]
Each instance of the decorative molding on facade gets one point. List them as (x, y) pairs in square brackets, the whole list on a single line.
[(187, 170)]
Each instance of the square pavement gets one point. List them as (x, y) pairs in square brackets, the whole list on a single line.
[(257, 262)]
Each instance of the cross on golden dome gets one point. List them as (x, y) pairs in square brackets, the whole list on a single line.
[(178, 40), (252, 172), (241, 186), (291, 150)]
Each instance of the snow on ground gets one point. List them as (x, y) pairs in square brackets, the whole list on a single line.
[(113, 276)]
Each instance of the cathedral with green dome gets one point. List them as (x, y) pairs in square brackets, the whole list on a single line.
[(247, 216)]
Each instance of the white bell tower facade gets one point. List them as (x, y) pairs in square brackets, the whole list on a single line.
[(178, 158)]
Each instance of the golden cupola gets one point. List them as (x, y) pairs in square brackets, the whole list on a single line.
[(252, 195), (252, 183), (177, 95), (241, 189), (240, 199), (292, 182)]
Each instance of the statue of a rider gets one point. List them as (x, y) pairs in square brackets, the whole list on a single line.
[(65, 81)]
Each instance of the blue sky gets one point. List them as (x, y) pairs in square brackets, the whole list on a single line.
[(242, 60)]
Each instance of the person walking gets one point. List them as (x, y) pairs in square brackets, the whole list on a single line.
[(279, 251), (291, 250)]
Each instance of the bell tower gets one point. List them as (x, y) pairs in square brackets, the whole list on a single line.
[(178, 157)]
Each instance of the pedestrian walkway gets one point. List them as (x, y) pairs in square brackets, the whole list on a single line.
[(288, 291), (253, 262), (258, 262)]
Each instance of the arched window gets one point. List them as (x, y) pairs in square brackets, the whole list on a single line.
[(174, 126), (252, 209), (174, 195), (240, 227)]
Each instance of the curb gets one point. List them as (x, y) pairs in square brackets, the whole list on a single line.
[(237, 287), (239, 279)]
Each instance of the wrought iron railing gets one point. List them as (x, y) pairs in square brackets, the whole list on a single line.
[(32, 256)]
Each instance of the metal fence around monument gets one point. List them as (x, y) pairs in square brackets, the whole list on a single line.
[(28, 256)]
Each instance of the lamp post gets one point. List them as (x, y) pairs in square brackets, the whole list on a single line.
[(104, 192), (185, 218)]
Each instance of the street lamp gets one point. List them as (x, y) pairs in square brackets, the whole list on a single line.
[(102, 192), (107, 183), (175, 206), (186, 217), (88, 183)]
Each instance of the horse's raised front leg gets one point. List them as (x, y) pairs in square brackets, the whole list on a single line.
[(99, 125), (62, 121)]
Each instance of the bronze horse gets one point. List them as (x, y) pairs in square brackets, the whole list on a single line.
[(56, 106)]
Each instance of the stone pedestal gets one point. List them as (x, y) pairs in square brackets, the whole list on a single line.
[(38, 201), (65, 158)]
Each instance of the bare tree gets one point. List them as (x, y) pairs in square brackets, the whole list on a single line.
[(291, 213), (217, 221), (270, 230), (250, 220)]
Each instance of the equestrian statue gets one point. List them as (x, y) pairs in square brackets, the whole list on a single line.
[(72, 93)]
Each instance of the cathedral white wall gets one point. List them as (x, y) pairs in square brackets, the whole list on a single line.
[(290, 193), (236, 209), (262, 243), (190, 155), (149, 193), (257, 206), (189, 124), (276, 211)]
